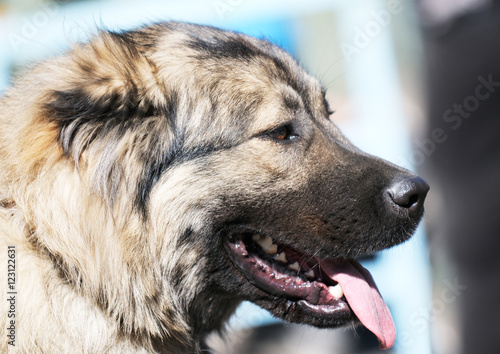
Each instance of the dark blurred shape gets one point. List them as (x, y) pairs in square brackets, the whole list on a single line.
[(282, 338), (462, 43)]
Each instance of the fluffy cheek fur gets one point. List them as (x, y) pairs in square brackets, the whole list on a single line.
[(105, 250)]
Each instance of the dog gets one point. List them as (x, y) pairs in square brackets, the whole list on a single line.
[(153, 179)]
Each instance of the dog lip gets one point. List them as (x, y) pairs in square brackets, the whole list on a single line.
[(328, 309)]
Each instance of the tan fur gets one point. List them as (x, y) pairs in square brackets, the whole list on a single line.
[(57, 215), (54, 212)]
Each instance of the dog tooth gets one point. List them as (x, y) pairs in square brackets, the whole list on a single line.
[(268, 246), (256, 237), (336, 291), (294, 266), (272, 249), (264, 242), (281, 257), (310, 274)]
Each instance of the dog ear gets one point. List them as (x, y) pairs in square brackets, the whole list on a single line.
[(114, 109)]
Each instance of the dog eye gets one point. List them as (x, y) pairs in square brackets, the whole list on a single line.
[(283, 133)]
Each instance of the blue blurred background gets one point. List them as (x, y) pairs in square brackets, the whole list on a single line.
[(368, 55)]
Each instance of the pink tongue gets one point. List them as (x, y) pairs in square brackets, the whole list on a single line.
[(363, 298)]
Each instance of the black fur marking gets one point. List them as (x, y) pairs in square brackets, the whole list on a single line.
[(75, 110), (229, 48), (291, 103), (239, 49), (157, 163), (68, 274)]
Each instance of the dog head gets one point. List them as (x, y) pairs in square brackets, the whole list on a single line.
[(196, 168)]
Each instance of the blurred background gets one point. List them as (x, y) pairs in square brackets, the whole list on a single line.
[(379, 60)]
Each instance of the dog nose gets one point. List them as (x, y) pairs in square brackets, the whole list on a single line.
[(409, 194)]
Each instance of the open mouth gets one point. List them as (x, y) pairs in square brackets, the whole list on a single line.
[(323, 287)]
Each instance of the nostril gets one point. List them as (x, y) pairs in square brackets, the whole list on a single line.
[(412, 200), (409, 193)]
